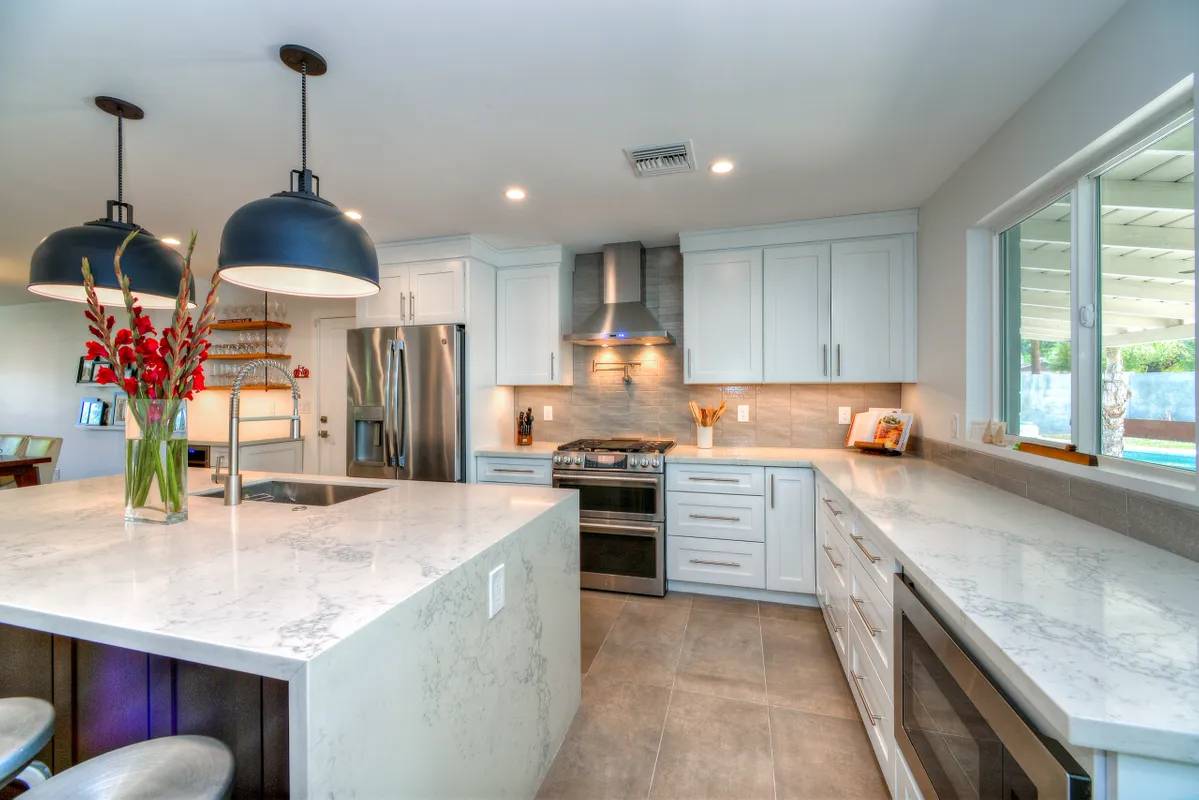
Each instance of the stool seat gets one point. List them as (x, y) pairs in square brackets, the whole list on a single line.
[(26, 724), (178, 767)]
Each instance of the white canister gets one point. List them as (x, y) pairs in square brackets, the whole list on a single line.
[(703, 437)]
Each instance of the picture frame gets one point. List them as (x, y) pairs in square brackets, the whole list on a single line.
[(120, 406), (91, 411)]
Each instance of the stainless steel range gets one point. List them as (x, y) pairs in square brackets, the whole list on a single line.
[(622, 511)]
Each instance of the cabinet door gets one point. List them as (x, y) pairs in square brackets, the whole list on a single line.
[(390, 305), (527, 327), (869, 299), (795, 308), (790, 530), (436, 293), (722, 317), (277, 457)]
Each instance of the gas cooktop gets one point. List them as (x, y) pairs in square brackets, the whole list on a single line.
[(616, 455), (617, 446)]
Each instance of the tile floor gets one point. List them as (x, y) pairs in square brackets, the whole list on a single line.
[(704, 698)]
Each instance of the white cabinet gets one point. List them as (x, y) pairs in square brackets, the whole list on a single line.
[(514, 469), (420, 293), (722, 317), (790, 530), (873, 291), (725, 562), (532, 315), (276, 457), (796, 308)]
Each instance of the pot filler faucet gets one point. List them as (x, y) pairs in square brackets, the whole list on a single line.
[(233, 480)]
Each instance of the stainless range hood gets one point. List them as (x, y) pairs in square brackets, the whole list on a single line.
[(623, 317)]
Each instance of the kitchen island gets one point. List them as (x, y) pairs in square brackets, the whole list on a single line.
[(364, 625)]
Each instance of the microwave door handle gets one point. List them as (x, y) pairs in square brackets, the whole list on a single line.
[(400, 388)]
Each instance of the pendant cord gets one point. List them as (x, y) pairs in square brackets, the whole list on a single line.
[(120, 158), (304, 115)]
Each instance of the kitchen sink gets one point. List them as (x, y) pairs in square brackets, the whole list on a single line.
[(300, 493)]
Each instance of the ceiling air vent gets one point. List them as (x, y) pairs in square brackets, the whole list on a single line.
[(661, 159)]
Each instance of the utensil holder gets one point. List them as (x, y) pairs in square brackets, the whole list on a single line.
[(703, 437)]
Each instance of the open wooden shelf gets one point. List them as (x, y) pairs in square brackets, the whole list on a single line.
[(248, 356), (245, 386), (248, 325)]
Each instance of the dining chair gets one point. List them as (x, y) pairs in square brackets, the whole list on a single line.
[(11, 444), (38, 446)]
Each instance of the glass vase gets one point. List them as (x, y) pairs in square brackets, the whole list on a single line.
[(156, 460)]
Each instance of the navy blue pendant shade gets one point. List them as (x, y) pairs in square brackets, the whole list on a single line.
[(154, 269), (299, 244)]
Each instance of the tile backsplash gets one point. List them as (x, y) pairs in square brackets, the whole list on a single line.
[(655, 403)]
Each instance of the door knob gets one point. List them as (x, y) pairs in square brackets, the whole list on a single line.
[(324, 418), (323, 434)]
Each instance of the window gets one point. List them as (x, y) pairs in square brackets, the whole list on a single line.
[(1098, 309)]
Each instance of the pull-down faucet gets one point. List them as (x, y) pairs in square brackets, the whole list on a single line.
[(233, 480)]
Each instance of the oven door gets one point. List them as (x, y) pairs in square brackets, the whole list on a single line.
[(959, 734), (616, 496), (622, 556)]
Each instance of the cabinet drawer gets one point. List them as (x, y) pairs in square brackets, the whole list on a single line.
[(877, 564), (715, 478), (715, 516), (718, 561), (491, 469), (870, 613), (831, 595), (874, 705), (839, 512)]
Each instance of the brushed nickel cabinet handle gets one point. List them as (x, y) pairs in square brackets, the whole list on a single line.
[(403, 307), (714, 563), (858, 539), (831, 621), (824, 359), (688, 362), (412, 307), (838, 360), (713, 480), (836, 511), (772, 490), (551, 366), (510, 469), (829, 551), (858, 603), (715, 517), (857, 679)]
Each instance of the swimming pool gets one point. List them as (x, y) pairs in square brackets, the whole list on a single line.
[(1165, 459)]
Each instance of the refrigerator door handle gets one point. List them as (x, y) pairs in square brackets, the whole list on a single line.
[(399, 370), (388, 421)]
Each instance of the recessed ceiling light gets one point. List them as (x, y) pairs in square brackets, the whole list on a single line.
[(354, 215), (171, 240), (721, 166), (515, 193)]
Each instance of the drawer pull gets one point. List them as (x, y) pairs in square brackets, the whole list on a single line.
[(713, 480), (829, 617), (836, 511), (829, 552), (857, 679), (857, 539), (509, 469), (858, 603), (714, 563), (715, 517)]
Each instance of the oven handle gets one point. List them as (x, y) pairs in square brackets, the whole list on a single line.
[(577, 477), (635, 530)]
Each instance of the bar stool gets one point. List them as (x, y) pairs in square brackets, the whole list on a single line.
[(26, 724), (178, 767)]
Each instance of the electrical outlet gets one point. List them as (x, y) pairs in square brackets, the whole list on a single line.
[(495, 591), (843, 415), (743, 413), (547, 413)]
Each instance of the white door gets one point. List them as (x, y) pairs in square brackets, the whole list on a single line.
[(722, 317), (331, 394), (790, 530), (795, 309), (868, 298), (527, 326), (390, 305), (436, 293)]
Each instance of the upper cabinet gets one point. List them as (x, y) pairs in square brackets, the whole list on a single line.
[(722, 317), (418, 293), (817, 301), (533, 313)]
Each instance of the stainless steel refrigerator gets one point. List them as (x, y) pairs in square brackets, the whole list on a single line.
[(406, 416)]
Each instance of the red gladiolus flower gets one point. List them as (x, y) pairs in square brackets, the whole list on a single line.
[(130, 386), (198, 380), (106, 375), (126, 355), (148, 346), (96, 351), (144, 325), (124, 336)]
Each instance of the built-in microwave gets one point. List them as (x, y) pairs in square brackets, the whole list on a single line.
[(961, 737)]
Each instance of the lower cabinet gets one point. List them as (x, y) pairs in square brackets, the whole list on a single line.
[(513, 469), (905, 787), (272, 457), (721, 561)]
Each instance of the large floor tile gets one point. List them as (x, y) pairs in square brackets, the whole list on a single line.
[(725, 605), (643, 645), (612, 744), (682, 599), (802, 670), (722, 656), (599, 613), (829, 758), (714, 748), (785, 611)]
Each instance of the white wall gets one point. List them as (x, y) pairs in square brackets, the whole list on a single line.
[(1147, 47)]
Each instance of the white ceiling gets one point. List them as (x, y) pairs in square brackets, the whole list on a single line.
[(431, 109)]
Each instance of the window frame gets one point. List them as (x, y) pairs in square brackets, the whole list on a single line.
[(1085, 298)]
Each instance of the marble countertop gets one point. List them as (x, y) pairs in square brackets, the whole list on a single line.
[(1097, 631), (534, 450), (256, 587)]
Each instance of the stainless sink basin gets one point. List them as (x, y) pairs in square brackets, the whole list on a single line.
[(298, 493)]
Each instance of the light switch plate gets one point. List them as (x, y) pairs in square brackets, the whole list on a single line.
[(495, 591), (743, 413), (843, 415), (547, 413)]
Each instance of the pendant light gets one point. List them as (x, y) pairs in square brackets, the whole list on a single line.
[(296, 242), (153, 267)]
